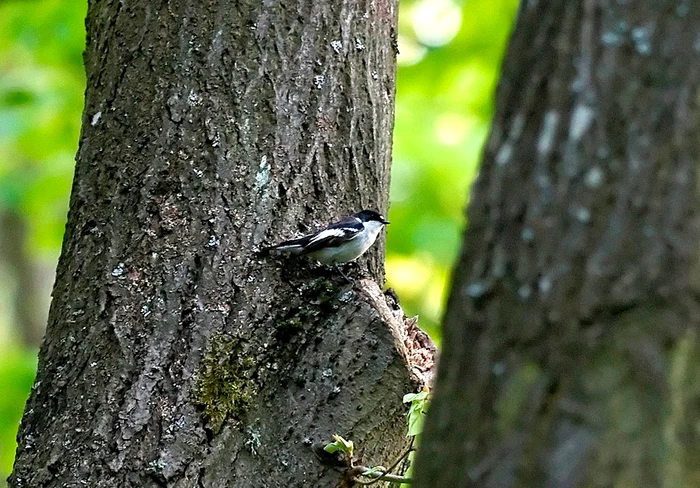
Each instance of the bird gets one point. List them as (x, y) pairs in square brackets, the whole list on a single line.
[(338, 243)]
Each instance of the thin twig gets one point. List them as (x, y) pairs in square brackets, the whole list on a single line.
[(391, 478), (387, 476), (403, 456)]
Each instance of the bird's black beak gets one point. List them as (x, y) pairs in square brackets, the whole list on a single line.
[(384, 221)]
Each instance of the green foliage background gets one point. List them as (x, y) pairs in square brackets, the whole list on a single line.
[(448, 66)]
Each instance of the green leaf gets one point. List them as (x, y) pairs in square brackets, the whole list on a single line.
[(332, 447), (416, 412), (410, 397), (340, 444)]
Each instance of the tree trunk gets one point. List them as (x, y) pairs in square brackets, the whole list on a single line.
[(174, 356), (29, 299), (571, 354)]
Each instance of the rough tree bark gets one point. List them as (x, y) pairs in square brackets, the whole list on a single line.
[(571, 354), (174, 357)]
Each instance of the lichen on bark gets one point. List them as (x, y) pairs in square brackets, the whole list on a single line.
[(225, 385)]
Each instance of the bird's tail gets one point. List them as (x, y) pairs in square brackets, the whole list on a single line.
[(294, 246)]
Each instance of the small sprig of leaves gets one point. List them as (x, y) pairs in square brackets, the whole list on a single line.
[(417, 411), (340, 444), (368, 475), (364, 475)]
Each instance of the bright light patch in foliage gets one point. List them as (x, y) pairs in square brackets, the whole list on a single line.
[(410, 51), (444, 104), (436, 22)]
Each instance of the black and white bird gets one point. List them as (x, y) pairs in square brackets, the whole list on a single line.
[(340, 242)]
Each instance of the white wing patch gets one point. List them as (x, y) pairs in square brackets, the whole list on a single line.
[(296, 248), (330, 233)]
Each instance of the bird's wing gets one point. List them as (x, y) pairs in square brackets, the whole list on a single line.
[(334, 235)]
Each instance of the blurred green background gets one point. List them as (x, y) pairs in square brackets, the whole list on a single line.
[(450, 56)]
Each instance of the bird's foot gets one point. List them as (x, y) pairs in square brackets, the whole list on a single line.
[(347, 278)]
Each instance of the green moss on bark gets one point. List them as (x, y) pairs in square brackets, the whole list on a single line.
[(224, 388)]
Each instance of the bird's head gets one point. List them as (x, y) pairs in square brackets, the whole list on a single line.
[(371, 216)]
